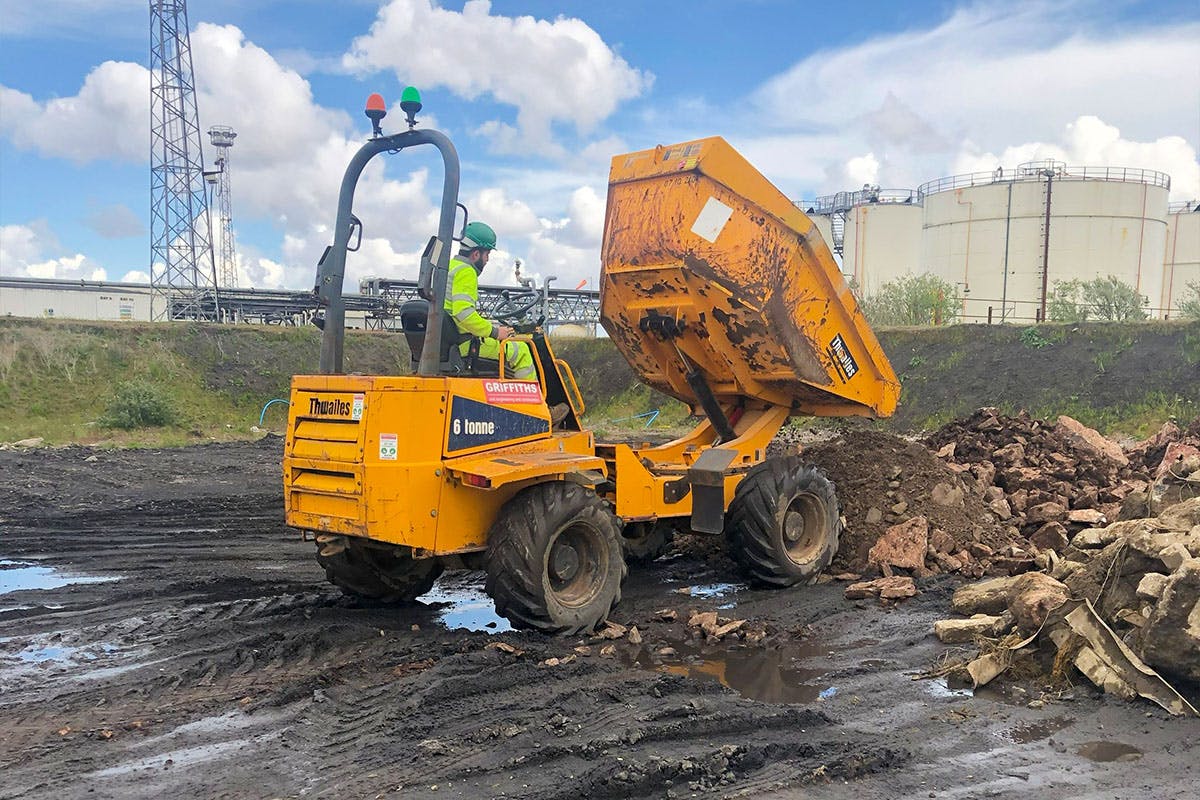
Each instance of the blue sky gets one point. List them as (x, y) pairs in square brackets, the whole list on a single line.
[(538, 97)]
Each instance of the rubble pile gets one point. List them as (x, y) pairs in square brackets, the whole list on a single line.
[(1122, 601), (909, 514), (1047, 480)]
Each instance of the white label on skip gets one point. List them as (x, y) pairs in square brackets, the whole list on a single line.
[(712, 219), (388, 446)]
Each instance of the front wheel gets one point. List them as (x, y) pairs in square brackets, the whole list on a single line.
[(554, 560), (381, 573), (784, 523)]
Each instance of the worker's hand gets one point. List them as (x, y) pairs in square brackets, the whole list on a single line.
[(503, 332)]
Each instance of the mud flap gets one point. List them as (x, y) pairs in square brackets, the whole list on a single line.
[(707, 478)]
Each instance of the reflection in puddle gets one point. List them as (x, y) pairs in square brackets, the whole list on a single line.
[(39, 652), (767, 675), (1035, 731), (16, 576), (715, 589), (460, 602), (940, 687), (1109, 751)]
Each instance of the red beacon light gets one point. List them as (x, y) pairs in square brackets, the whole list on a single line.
[(376, 110)]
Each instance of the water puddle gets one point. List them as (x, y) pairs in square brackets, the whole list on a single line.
[(459, 602), (19, 576), (714, 590), (770, 675), (1035, 731), (1109, 751), (40, 653), (940, 687)]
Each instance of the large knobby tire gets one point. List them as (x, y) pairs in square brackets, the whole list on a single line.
[(384, 574), (783, 523), (554, 560), (646, 541)]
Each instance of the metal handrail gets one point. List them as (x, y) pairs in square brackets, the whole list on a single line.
[(1038, 170)]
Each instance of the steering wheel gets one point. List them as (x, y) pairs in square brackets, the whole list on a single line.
[(515, 306)]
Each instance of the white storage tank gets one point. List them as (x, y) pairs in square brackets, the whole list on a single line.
[(1181, 263), (875, 232), (1005, 237), (882, 241)]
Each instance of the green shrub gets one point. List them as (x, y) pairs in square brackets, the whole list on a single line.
[(1189, 307), (1107, 299), (138, 404), (913, 300)]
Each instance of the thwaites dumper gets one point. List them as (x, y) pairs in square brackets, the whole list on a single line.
[(715, 288)]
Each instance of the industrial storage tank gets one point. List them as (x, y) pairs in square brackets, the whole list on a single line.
[(876, 232), (1181, 263), (1005, 237)]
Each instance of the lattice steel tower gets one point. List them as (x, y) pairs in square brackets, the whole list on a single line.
[(182, 267), (222, 137)]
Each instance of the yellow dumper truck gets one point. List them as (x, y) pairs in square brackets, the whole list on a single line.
[(715, 288)]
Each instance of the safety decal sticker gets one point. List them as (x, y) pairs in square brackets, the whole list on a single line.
[(712, 219), (388, 446), (473, 424), (508, 392), (846, 366), (357, 409)]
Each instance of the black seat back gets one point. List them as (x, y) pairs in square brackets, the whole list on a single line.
[(414, 318)]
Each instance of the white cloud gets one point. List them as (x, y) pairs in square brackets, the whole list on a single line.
[(1089, 141), (862, 170), (109, 117), (33, 251), (991, 75), (559, 71)]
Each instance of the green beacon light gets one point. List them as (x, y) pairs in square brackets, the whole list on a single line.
[(410, 104)]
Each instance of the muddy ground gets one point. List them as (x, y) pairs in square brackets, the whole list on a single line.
[(162, 633)]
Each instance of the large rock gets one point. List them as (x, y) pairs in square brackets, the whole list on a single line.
[(1181, 516), (957, 631), (1051, 536), (1086, 440), (946, 495), (1045, 512), (1171, 637), (902, 545), (1032, 597), (985, 597), (897, 587)]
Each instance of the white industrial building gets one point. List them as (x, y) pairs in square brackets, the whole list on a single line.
[(65, 299), (1005, 237)]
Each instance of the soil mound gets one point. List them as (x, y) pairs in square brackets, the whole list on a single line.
[(884, 480)]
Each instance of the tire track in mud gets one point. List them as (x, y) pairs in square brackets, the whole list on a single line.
[(236, 671)]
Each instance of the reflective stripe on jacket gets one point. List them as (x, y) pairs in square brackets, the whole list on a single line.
[(462, 294)]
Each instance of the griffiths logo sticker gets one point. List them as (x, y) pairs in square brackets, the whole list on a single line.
[(473, 424), (509, 392)]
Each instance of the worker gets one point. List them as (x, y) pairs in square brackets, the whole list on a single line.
[(462, 297)]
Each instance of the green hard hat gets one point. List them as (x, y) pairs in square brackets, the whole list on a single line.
[(479, 235)]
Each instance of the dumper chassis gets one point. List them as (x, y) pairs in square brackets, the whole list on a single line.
[(714, 288)]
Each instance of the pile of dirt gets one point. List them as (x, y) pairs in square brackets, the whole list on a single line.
[(889, 484)]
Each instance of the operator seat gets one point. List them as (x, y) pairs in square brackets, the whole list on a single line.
[(414, 318)]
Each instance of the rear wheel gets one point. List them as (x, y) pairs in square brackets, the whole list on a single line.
[(646, 541), (784, 523), (386, 574), (554, 560)]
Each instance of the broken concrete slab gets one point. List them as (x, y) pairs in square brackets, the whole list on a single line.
[(1111, 665), (1151, 585), (985, 597), (958, 631), (1171, 637), (896, 587)]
